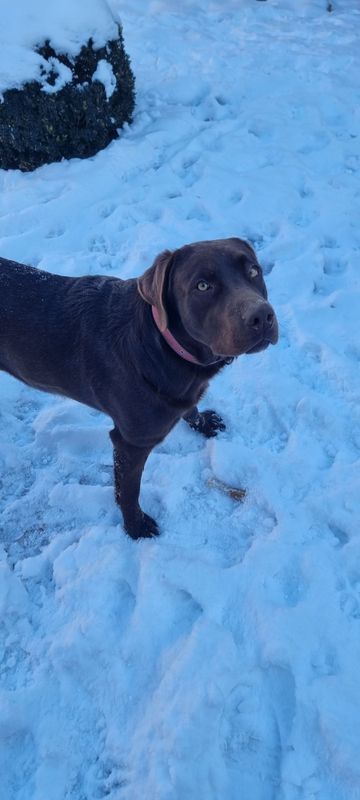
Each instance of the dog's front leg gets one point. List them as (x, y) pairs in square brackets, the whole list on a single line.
[(206, 422), (129, 463)]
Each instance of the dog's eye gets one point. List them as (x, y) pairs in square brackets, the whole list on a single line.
[(253, 272), (203, 286)]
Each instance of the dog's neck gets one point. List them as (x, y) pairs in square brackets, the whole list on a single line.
[(177, 347), (172, 342)]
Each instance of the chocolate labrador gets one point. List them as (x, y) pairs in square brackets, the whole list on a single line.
[(140, 350)]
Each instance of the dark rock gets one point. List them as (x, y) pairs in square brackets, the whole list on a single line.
[(37, 127)]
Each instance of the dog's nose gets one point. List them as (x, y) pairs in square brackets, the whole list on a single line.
[(261, 319)]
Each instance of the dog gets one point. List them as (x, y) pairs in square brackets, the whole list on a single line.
[(140, 350)]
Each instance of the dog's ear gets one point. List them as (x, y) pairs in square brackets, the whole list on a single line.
[(151, 285)]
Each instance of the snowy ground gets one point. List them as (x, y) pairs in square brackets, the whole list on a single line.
[(220, 661)]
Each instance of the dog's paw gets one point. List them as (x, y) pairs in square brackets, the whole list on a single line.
[(143, 527), (208, 423)]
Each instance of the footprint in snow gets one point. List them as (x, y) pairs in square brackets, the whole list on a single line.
[(198, 212), (287, 586), (325, 661), (98, 244), (190, 169), (303, 218), (236, 197), (111, 777), (254, 731), (330, 243), (341, 537), (350, 596), (173, 195), (334, 265), (305, 192), (55, 233), (107, 210), (260, 240), (18, 760)]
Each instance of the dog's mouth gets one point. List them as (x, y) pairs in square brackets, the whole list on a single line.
[(268, 334), (257, 348)]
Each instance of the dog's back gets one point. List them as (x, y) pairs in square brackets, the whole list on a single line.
[(29, 299), (46, 323)]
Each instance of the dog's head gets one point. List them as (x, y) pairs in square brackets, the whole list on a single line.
[(213, 294)]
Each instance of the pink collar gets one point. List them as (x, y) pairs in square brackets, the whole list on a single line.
[(172, 342), (177, 347)]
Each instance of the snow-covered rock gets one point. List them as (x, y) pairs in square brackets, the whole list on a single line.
[(66, 84)]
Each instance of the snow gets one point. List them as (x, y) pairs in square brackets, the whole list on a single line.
[(62, 72), (104, 73), (221, 660), (66, 25)]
